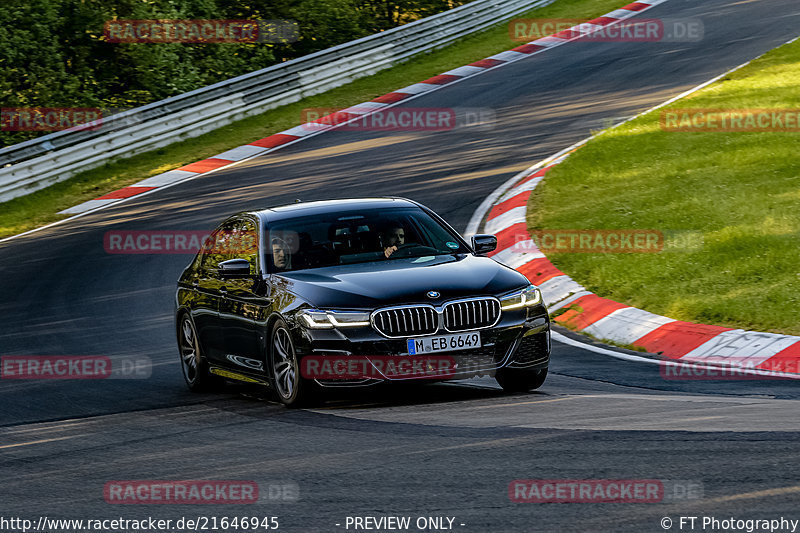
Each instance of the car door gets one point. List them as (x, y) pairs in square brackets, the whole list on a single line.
[(244, 300), (209, 286)]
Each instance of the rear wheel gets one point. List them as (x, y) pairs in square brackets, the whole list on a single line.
[(520, 379), (291, 388), (193, 364)]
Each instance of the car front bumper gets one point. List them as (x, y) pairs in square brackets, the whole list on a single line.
[(520, 339)]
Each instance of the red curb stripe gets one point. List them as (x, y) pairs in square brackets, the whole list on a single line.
[(274, 140), (205, 165), (593, 308), (390, 98), (636, 6), (442, 79), (602, 21), (787, 360), (515, 201), (528, 48), (539, 173), (487, 63), (506, 237), (678, 338), (567, 34), (539, 270), (125, 192)]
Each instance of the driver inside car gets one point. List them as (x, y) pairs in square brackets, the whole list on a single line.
[(281, 256), (393, 237)]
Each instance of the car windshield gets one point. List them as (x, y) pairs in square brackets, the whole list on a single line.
[(347, 237)]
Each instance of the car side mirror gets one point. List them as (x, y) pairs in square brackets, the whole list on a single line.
[(483, 244), (234, 268)]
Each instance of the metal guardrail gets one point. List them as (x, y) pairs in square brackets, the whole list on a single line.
[(38, 163)]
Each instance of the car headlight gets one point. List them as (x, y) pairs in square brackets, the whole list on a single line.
[(526, 297), (317, 319)]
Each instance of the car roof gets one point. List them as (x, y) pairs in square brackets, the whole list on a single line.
[(331, 206)]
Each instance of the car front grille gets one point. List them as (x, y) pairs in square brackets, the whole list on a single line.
[(415, 320), (470, 314), (406, 321)]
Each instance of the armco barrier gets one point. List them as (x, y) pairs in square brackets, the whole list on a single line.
[(35, 164)]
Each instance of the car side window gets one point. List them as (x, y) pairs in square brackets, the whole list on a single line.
[(243, 242), (216, 249)]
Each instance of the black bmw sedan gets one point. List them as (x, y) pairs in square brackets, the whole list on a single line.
[(346, 293)]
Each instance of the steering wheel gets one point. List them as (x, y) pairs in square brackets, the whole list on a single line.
[(404, 249)]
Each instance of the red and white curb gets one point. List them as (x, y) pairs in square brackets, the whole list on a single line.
[(278, 140), (607, 320)]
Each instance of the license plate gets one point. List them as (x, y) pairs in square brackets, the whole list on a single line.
[(444, 343)]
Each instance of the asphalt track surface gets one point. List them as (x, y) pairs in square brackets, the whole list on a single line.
[(439, 450)]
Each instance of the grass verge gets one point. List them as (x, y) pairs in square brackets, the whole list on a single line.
[(41, 207), (735, 195)]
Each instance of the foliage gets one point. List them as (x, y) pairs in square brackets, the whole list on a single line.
[(53, 53)]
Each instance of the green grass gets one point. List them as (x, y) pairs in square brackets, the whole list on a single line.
[(41, 207), (738, 191)]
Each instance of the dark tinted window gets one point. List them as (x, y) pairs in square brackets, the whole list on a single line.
[(355, 237), (234, 239)]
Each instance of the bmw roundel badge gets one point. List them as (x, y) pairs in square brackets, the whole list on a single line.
[(433, 294)]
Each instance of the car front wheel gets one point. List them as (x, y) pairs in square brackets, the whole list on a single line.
[(291, 388)]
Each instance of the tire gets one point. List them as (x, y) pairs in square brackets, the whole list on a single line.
[(520, 379), (290, 387), (193, 365)]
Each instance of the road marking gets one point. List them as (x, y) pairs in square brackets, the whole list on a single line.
[(535, 401), (470, 445), (37, 442), (757, 494)]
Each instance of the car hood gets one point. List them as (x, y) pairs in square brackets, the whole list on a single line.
[(399, 281)]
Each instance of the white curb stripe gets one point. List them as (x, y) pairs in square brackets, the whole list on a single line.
[(748, 347), (467, 70), (513, 259), (620, 14), (364, 107), (558, 288), (417, 88), (587, 27), (508, 55), (549, 41), (166, 178), (507, 219), (566, 301), (240, 152), (527, 186), (86, 206), (626, 325), (301, 131)]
